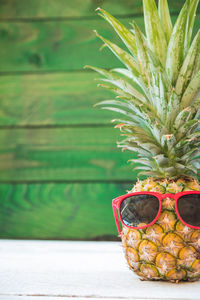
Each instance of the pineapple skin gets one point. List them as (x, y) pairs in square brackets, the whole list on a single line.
[(168, 250)]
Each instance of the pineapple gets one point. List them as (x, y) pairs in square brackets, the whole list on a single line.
[(158, 95), (167, 250)]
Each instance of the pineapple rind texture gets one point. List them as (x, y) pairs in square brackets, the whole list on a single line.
[(167, 250)]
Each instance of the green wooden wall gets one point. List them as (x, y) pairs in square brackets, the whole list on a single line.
[(59, 163)]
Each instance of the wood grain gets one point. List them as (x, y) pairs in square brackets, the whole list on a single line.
[(84, 153), (57, 46), (52, 99), (43, 44), (77, 8), (58, 211), (65, 45)]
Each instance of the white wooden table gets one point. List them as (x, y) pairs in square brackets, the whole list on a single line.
[(55, 270)]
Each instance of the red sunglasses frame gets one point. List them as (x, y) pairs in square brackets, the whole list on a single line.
[(117, 202)]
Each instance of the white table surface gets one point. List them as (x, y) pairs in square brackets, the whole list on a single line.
[(55, 270)]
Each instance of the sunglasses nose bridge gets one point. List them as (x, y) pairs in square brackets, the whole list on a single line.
[(168, 195)]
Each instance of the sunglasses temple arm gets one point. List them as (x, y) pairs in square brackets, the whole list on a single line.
[(116, 219)]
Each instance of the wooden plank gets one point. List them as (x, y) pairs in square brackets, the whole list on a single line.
[(65, 45), (53, 46), (76, 8), (52, 99), (80, 270), (63, 154), (59, 211)]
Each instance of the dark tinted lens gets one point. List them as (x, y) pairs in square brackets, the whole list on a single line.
[(189, 209), (139, 210)]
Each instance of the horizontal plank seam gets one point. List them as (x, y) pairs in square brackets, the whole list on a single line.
[(84, 181), (52, 126), (100, 238), (62, 19), (39, 72), (88, 296)]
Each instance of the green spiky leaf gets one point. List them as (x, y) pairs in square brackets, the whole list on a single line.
[(188, 66), (165, 18), (175, 52), (142, 53), (125, 34), (190, 23), (192, 92), (154, 31), (158, 90), (122, 55)]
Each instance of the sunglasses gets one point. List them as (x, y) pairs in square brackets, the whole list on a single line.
[(142, 209)]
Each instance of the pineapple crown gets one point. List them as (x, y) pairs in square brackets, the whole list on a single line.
[(158, 90)]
